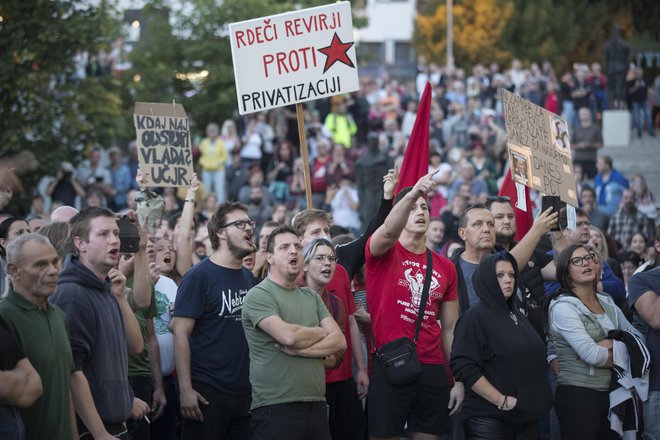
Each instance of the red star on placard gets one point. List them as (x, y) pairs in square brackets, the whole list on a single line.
[(336, 52)]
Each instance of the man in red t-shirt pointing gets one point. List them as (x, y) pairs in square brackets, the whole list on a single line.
[(396, 267)]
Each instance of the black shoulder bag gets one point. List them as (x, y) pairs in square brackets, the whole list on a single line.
[(398, 358)]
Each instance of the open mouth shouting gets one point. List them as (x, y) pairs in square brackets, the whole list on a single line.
[(114, 253), (293, 261), (249, 239)]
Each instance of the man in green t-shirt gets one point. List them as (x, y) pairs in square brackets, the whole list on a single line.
[(289, 332), (42, 330)]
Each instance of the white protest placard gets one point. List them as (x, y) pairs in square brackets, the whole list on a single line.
[(539, 148), (294, 57), (164, 148)]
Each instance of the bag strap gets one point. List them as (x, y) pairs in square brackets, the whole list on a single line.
[(425, 293)]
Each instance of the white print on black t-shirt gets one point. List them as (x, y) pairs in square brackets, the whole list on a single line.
[(232, 303)]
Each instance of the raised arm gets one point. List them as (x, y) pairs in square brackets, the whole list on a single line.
[(387, 234), (184, 245), (543, 223), (141, 276)]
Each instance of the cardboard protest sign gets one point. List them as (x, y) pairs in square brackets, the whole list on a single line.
[(164, 148), (539, 148), (294, 57)]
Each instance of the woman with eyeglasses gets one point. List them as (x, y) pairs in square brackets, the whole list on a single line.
[(579, 319), (500, 358), (345, 409)]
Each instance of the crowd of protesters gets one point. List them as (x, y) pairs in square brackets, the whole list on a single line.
[(245, 313)]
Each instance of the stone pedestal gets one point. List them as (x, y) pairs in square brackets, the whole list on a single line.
[(616, 128)]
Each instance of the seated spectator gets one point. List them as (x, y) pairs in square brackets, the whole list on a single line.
[(345, 206), (478, 189), (484, 166), (644, 199), (64, 189), (597, 217), (252, 143), (280, 171), (628, 220), (212, 160), (609, 185), (629, 262)]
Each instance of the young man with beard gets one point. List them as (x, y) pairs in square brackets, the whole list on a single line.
[(102, 328), (210, 352), (396, 265), (290, 332)]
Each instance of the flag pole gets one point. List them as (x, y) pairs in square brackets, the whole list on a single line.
[(305, 156)]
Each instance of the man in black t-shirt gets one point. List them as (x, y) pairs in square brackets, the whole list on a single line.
[(210, 351)]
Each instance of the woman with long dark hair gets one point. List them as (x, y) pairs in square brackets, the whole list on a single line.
[(579, 319), (500, 358)]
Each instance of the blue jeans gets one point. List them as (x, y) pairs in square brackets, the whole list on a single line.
[(641, 116), (651, 419), (11, 424)]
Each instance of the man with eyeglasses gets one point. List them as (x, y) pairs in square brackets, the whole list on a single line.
[(210, 352), (609, 283)]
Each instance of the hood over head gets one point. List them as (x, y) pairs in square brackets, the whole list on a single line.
[(488, 288)]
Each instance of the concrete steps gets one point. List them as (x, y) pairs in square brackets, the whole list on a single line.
[(642, 156)]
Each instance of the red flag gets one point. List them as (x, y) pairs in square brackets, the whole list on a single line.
[(416, 158), (524, 220)]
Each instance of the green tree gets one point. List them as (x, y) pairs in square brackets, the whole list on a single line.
[(45, 110)]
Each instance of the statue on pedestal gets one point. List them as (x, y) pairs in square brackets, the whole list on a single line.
[(617, 57)]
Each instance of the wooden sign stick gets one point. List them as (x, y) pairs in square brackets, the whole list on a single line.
[(305, 156)]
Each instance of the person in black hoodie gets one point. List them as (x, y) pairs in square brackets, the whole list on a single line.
[(500, 358)]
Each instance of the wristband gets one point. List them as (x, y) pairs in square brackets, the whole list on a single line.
[(503, 406), (190, 200)]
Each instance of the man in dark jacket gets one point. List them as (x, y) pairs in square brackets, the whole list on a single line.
[(102, 327)]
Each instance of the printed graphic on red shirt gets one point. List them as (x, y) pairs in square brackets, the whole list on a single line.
[(395, 282)]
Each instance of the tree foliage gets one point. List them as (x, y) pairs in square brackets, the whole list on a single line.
[(562, 31), (44, 109), (477, 29)]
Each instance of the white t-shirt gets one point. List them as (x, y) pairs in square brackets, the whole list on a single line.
[(165, 296)]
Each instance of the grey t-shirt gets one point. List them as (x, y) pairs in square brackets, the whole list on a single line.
[(468, 270)]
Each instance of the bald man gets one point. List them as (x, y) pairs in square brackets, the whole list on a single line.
[(63, 214)]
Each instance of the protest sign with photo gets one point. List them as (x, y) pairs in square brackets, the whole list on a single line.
[(294, 57), (539, 148), (164, 148)]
